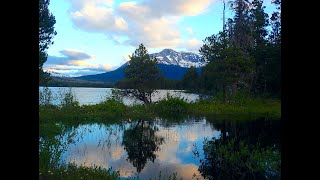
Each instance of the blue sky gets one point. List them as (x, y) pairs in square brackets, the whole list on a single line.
[(95, 36)]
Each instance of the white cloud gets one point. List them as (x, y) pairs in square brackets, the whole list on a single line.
[(86, 64), (193, 45), (96, 15), (78, 4), (75, 63), (155, 33), (145, 28), (178, 7), (153, 23)]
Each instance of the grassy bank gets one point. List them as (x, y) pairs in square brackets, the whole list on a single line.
[(247, 108), (113, 111), (71, 171)]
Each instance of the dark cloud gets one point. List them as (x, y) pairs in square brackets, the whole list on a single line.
[(74, 71), (75, 55), (68, 55), (75, 63)]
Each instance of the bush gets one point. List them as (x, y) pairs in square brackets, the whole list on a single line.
[(111, 108), (45, 97), (68, 100), (171, 105)]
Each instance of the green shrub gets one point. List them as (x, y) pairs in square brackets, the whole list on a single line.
[(45, 97), (112, 108), (68, 100), (171, 105)]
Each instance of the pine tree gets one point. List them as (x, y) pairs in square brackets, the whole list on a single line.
[(229, 68), (190, 80), (260, 22), (242, 26), (141, 75), (46, 34)]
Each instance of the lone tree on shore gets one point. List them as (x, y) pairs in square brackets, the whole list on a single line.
[(141, 76)]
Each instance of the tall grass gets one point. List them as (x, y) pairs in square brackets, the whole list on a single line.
[(72, 171), (68, 99), (45, 97), (251, 107), (112, 109), (171, 105)]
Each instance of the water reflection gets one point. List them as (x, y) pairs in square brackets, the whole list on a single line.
[(90, 96), (144, 148), (248, 150), (141, 143)]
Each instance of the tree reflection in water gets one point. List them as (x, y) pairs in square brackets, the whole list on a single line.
[(141, 143), (247, 150)]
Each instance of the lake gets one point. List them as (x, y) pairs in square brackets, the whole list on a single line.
[(188, 146), (90, 96)]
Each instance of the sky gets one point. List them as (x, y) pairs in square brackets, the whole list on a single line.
[(96, 36)]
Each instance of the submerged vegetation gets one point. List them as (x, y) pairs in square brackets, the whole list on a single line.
[(72, 171)]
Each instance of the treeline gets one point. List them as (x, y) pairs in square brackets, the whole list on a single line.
[(161, 83), (69, 82), (244, 57)]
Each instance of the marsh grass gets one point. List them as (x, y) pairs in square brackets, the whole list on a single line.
[(114, 110), (68, 99), (45, 97), (160, 176), (250, 108), (171, 106), (72, 171)]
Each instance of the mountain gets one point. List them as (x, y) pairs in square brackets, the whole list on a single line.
[(183, 59), (111, 76), (172, 72), (172, 64)]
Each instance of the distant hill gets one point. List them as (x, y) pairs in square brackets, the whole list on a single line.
[(111, 76), (73, 82)]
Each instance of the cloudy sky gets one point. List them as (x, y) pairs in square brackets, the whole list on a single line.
[(95, 36)]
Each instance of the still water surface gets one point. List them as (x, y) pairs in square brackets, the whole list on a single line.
[(89, 96), (144, 148)]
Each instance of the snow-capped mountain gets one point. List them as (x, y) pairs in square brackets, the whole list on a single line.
[(171, 63), (183, 59)]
